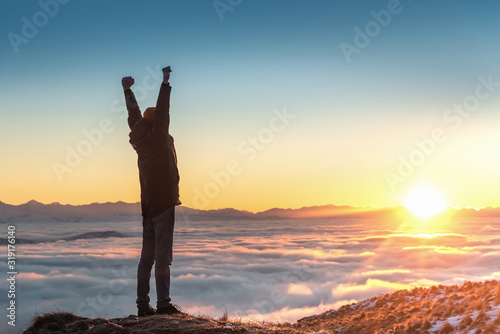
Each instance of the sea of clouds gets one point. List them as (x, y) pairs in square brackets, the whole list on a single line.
[(273, 270)]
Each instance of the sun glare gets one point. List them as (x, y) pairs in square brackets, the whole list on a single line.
[(425, 202)]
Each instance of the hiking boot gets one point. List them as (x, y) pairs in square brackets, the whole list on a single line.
[(170, 309), (145, 310)]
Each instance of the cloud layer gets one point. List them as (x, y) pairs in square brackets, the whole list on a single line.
[(274, 269)]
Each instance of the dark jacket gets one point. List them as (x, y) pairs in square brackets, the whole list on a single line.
[(157, 159)]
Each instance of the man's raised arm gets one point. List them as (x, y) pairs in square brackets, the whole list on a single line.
[(134, 113), (162, 113)]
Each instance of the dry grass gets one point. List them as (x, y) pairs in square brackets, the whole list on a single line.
[(417, 311)]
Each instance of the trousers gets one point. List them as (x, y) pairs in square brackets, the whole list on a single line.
[(157, 243)]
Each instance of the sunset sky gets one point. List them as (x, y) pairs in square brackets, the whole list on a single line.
[(278, 103)]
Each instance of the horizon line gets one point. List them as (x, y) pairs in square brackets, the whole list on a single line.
[(223, 208)]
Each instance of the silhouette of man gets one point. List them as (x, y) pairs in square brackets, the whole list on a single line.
[(159, 179)]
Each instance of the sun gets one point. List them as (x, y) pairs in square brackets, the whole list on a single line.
[(425, 202)]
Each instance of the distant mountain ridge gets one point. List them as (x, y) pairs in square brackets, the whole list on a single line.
[(121, 211), (34, 210)]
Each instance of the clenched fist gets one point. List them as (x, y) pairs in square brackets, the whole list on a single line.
[(127, 82), (166, 74)]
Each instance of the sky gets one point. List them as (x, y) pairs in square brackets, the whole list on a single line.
[(274, 103)]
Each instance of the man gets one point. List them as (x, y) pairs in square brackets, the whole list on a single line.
[(159, 179)]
